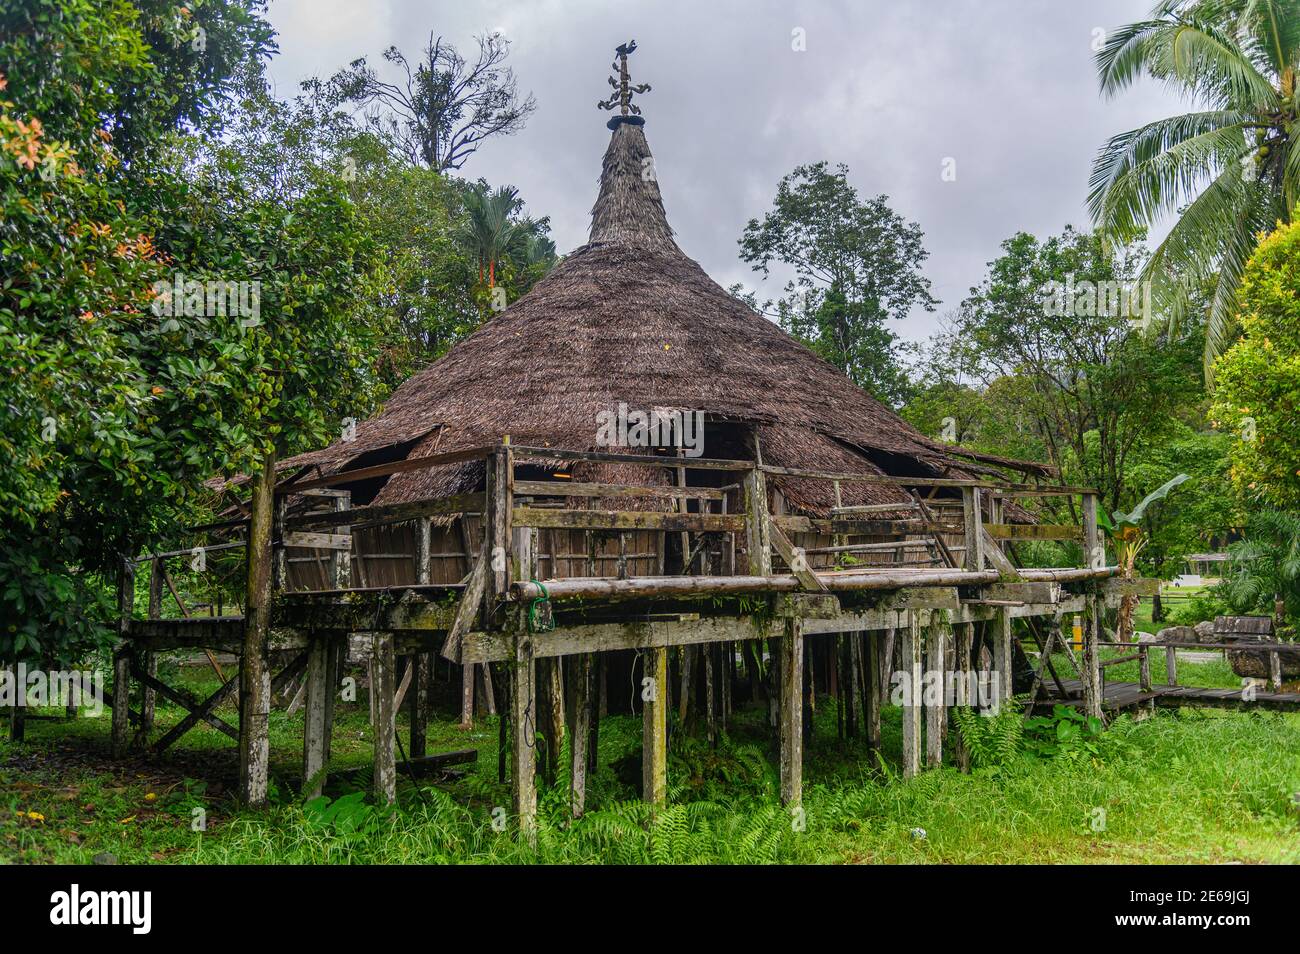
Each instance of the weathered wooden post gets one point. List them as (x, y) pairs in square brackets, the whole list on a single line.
[(1275, 671), (1091, 662), (973, 556), (122, 660), (758, 544), (316, 714), (876, 684), (422, 675), (791, 730), (254, 672), (581, 733), (965, 639), (523, 724), (1171, 666), (936, 712), (1000, 633), (148, 659), (383, 685), (654, 727), (911, 648)]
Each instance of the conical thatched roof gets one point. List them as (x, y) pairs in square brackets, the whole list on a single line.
[(629, 318)]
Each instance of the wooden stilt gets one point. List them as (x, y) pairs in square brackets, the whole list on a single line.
[(684, 697), (911, 647), (382, 687), (936, 712), (598, 690), (1000, 631), (254, 671), (1092, 687), (467, 696), (523, 725), (316, 727), (421, 683), (964, 634), (582, 682), (876, 685), (790, 663), (710, 703), (122, 661), (654, 732)]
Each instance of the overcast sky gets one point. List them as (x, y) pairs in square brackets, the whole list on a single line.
[(1005, 88)]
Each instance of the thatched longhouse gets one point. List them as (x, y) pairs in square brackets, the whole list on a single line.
[(627, 319)]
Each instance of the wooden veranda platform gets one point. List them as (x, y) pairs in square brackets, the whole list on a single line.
[(934, 591)]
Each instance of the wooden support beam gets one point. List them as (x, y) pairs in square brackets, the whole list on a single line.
[(523, 723), (973, 556), (1000, 636), (122, 660), (791, 653), (254, 671), (500, 516), (1092, 684), (795, 559), (654, 728), (756, 524), (912, 665), (316, 727), (582, 724), (875, 670), (1033, 531), (936, 712), (383, 683), (964, 637), (151, 681)]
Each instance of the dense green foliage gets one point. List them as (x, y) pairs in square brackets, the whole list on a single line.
[(197, 279), (1258, 391)]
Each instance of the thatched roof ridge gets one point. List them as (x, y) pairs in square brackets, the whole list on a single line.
[(629, 318)]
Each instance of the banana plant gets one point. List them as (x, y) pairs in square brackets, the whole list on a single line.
[(1125, 530)]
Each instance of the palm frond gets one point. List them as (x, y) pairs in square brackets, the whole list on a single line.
[(1148, 171)]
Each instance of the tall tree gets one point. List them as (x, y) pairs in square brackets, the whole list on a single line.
[(857, 264), (1258, 390), (1091, 386), (1229, 169), (444, 107)]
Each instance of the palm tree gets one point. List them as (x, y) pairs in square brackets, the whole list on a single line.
[(491, 232), (1233, 164), (1265, 566)]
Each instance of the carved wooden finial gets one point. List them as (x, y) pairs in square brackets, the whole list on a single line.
[(623, 89)]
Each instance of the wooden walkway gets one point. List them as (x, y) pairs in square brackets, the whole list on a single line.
[(1126, 695)]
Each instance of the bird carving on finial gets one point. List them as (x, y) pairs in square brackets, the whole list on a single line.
[(623, 89)]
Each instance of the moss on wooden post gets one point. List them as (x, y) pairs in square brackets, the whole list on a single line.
[(254, 672), (654, 726), (122, 660), (790, 665)]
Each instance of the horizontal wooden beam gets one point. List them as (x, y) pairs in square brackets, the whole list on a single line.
[(627, 520), (639, 587), (567, 488), (318, 541)]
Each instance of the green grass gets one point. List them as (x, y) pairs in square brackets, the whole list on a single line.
[(1185, 786)]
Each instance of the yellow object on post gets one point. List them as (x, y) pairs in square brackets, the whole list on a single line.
[(1078, 633)]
